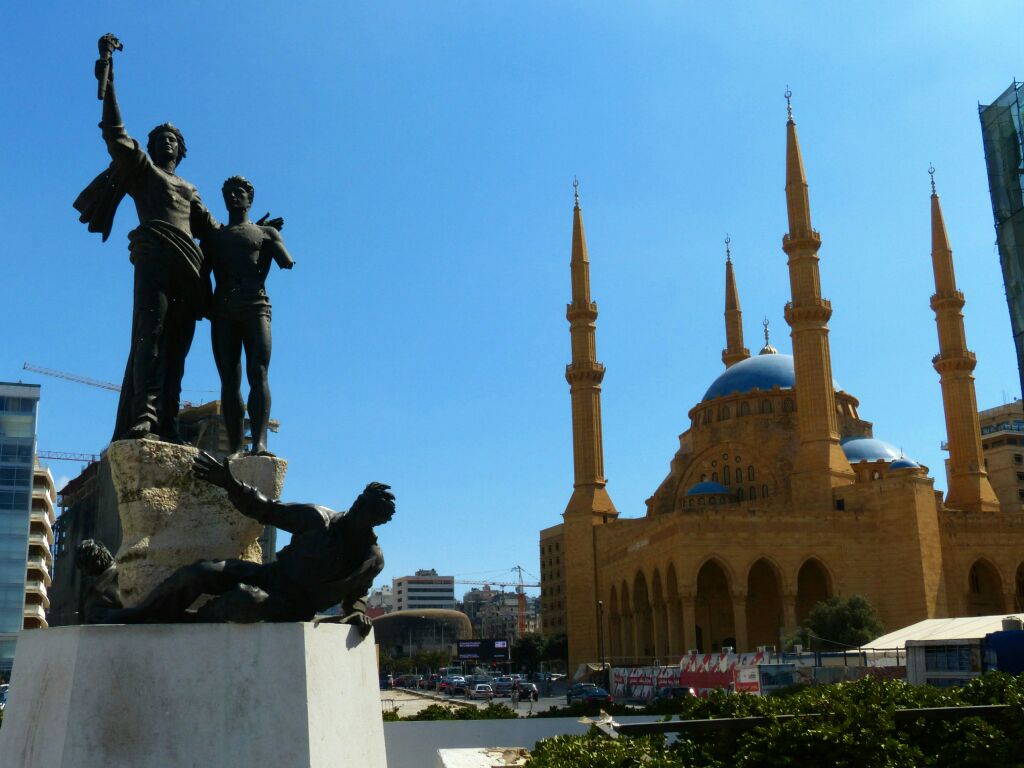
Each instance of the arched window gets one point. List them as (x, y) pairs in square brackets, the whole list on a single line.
[(700, 500), (764, 491), (703, 478), (739, 494), (744, 409), (766, 406), (692, 502), (712, 500), (753, 493), (723, 414), (787, 405), (726, 475), (750, 473), (714, 477), (707, 416)]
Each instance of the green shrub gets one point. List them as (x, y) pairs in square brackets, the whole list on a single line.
[(853, 727)]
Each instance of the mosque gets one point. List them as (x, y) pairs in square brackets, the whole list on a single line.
[(779, 496)]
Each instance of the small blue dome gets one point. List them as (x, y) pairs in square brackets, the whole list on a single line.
[(761, 372), (707, 487), (868, 449), (904, 463)]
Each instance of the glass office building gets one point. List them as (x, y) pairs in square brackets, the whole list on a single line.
[(18, 404), (1002, 132)]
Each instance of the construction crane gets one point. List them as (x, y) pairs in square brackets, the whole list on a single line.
[(72, 377), (85, 458), (86, 380), (519, 587)]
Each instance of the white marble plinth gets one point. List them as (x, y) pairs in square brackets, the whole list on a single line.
[(170, 518), (176, 695)]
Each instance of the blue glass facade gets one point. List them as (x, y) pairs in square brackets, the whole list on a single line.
[(18, 406), (1002, 132)]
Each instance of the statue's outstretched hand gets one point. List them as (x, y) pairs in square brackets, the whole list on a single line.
[(265, 221), (378, 497), (207, 468)]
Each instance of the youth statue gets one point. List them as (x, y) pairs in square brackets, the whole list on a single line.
[(170, 289), (332, 559), (239, 255)]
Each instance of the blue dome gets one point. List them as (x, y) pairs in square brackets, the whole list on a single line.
[(868, 449), (904, 463), (760, 372), (707, 487)]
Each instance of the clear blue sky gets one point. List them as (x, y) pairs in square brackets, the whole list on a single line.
[(423, 155)]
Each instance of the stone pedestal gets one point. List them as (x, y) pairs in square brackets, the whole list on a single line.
[(176, 695), (169, 518)]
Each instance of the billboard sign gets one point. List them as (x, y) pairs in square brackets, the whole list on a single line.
[(483, 650)]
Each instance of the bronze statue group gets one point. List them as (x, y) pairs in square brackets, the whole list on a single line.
[(333, 557)]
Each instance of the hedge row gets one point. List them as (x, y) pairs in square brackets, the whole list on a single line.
[(855, 729)]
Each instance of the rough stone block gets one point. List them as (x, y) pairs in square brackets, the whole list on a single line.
[(176, 695), (169, 518)]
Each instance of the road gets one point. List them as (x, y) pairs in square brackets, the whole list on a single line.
[(408, 703)]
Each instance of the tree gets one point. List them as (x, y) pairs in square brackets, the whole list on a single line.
[(840, 623), (528, 651)]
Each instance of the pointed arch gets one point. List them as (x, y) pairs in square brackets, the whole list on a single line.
[(1019, 591), (764, 603), (643, 618), (813, 585), (614, 624), (627, 624), (673, 608), (984, 589), (659, 616), (713, 606)]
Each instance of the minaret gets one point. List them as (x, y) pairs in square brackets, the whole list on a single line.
[(589, 505), (734, 350), (820, 463), (969, 486)]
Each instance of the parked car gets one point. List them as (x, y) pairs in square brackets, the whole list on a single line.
[(591, 695), (387, 682), (456, 685), (577, 691), (528, 691), (503, 686), (481, 691), (674, 693)]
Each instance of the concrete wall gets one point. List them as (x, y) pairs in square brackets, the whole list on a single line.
[(415, 744)]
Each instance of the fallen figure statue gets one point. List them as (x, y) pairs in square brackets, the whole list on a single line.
[(332, 559)]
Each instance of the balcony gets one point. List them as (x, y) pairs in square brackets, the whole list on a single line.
[(35, 617), (39, 517), (39, 569), (42, 503), (37, 588), (39, 541), (44, 532)]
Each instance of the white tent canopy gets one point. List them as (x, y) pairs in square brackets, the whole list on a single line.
[(966, 628)]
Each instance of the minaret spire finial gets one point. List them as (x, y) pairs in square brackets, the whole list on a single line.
[(789, 106), (765, 324), (576, 190), (931, 172), (728, 255)]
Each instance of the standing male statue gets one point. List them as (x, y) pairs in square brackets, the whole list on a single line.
[(171, 288), (239, 255)]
